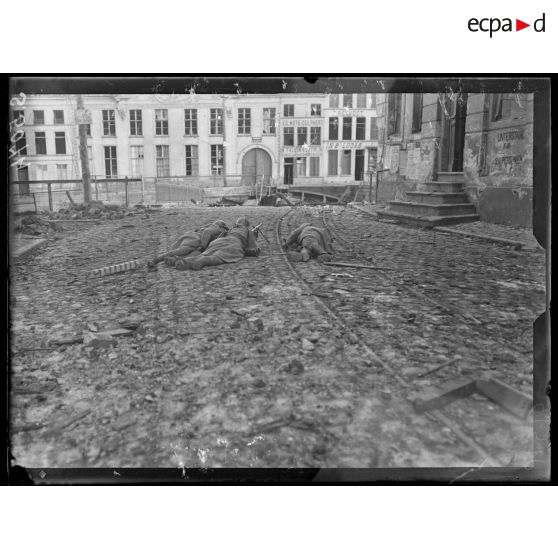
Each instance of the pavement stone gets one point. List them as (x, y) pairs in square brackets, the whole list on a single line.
[(198, 385)]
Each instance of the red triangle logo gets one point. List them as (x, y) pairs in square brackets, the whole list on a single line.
[(519, 25)]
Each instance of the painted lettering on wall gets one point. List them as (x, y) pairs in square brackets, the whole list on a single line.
[(301, 149), (508, 164), (344, 144), (348, 112), (302, 121), (510, 135)]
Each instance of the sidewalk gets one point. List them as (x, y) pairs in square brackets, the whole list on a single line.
[(22, 245), (504, 234)]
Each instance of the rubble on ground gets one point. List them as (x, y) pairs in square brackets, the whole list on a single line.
[(45, 222)]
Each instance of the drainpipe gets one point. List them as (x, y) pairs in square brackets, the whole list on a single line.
[(223, 97)]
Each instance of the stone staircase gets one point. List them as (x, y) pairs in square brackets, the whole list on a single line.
[(442, 203)]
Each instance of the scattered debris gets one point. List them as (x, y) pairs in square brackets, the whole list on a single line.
[(439, 367), (255, 324), (307, 345), (507, 397), (433, 398), (98, 340), (293, 367), (100, 335), (26, 427)]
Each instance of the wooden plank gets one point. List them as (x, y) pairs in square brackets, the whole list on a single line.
[(448, 392), (343, 264), (507, 397), (439, 367)]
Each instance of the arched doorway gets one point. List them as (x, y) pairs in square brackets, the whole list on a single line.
[(255, 164)]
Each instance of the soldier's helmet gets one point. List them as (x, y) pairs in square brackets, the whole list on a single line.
[(242, 221), (221, 224)]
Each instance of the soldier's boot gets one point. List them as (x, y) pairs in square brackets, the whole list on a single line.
[(324, 258), (171, 260), (294, 256), (187, 264)]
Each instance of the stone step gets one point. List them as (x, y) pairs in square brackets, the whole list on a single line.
[(447, 187), (427, 221), (450, 176), (411, 208), (437, 197)]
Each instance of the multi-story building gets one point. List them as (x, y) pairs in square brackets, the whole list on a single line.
[(210, 139), (487, 137)]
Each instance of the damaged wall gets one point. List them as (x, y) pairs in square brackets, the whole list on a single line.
[(409, 156), (498, 157)]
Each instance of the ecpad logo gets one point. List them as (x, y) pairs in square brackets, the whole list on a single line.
[(494, 24)]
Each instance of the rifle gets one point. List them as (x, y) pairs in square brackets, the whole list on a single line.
[(256, 230)]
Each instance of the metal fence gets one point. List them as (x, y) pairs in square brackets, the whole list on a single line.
[(52, 195)]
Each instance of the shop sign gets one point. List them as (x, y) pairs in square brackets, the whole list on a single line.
[(302, 122)]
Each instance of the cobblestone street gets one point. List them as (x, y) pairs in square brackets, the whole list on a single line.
[(264, 363)]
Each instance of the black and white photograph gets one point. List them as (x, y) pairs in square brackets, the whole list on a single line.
[(321, 278)]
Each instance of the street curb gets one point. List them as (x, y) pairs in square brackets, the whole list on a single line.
[(514, 243), (28, 248), (505, 241), (362, 210)]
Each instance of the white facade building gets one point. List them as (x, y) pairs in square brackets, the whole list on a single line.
[(210, 139)]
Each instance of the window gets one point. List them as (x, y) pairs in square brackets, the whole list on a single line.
[(162, 160), (136, 160), (333, 128), (161, 122), (417, 113), (87, 130), (501, 107), (288, 135), (191, 160), (216, 121), (301, 166), (191, 122), (332, 162), (38, 117), (244, 124), (315, 135), (360, 128), (60, 143), (58, 116), (348, 100), (41, 172), (346, 162), (373, 100), (334, 101), (21, 143), (61, 172), (314, 166), (315, 110), (136, 124), (40, 143), (109, 123), (288, 110), (347, 128), (361, 100), (373, 128), (269, 121), (394, 113), (111, 169), (302, 136), (217, 158)]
